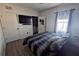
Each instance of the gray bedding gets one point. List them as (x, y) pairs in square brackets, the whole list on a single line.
[(46, 43)]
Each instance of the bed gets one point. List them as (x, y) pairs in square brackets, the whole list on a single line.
[(46, 43)]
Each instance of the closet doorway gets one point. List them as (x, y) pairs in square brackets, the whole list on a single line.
[(35, 24)]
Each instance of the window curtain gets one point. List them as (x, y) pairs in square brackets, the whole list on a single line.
[(62, 21), (69, 23), (63, 17)]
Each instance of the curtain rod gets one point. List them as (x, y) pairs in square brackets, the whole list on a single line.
[(65, 10)]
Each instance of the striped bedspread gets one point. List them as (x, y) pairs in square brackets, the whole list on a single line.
[(39, 43)]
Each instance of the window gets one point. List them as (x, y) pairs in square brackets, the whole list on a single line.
[(62, 21)]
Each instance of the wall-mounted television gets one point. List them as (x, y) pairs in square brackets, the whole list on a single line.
[(25, 20)]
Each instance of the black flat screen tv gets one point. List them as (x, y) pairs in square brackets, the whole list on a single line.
[(25, 20)]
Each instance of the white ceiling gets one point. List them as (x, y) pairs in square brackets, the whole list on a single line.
[(40, 6)]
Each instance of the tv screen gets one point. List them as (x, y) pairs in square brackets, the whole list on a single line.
[(25, 20)]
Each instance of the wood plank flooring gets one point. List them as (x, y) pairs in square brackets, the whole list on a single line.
[(15, 48)]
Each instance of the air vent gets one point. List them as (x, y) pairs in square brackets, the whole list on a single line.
[(8, 7)]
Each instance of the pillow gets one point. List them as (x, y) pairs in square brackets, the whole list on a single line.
[(57, 44), (65, 35), (62, 34), (60, 42)]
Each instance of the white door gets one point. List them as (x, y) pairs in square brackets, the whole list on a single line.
[(41, 24), (2, 41), (9, 26)]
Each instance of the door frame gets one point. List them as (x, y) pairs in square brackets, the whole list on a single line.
[(4, 46)]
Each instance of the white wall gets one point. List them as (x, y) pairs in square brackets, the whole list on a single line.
[(41, 28), (50, 14), (16, 9)]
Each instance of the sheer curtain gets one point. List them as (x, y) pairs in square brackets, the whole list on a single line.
[(62, 21)]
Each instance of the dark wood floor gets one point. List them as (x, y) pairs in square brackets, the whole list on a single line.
[(16, 48)]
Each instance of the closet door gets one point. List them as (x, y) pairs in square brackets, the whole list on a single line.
[(9, 26), (41, 24)]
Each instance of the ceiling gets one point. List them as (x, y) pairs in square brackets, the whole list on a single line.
[(40, 6)]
